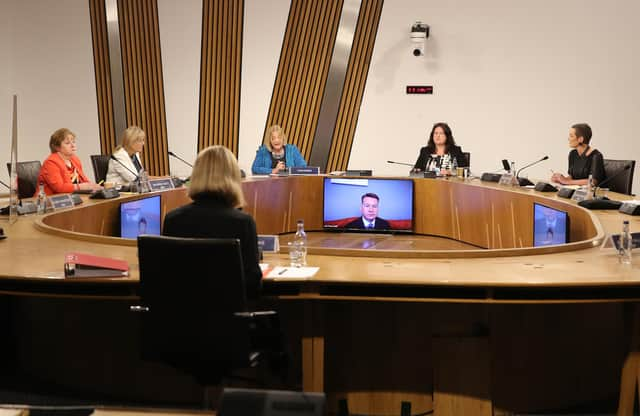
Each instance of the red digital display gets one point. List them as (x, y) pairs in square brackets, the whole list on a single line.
[(419, 89)]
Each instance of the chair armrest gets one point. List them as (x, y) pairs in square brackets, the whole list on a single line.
[(255, 314)]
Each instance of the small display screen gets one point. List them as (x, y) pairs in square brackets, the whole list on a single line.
[(376, 205), (550, 226), (141, 216)]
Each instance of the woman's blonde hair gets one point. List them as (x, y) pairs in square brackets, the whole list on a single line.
[(216, 172), (58, 137), (274, 129), (130, 136)]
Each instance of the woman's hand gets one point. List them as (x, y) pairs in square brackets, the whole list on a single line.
[(560, 178), (280, 166), (89, 186)]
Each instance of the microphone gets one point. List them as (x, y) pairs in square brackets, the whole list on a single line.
[(399, 163), (125, 166), (525, 181), (180, 159)]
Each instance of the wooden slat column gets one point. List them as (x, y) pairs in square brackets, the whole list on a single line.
[(303, 69), (143, 81), (220, 72), (108, 136)]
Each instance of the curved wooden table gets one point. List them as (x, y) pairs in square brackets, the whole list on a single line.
[(479, 312)]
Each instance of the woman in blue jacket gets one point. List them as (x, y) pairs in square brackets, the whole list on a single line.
[(275, 154)]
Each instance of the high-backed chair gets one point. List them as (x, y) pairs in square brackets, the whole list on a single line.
[(195, 312), (467, 160), (100, 165), (624, 181), (243, 402), (27, 177)]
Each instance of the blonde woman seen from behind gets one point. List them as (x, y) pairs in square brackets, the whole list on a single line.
[(216, 192)]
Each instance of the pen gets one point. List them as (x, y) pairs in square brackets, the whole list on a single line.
[(282, 272)]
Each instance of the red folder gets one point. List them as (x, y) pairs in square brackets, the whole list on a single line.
[(88, 265)]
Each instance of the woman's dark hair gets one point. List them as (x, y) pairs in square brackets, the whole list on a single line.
[(431, 146), (583, 130)]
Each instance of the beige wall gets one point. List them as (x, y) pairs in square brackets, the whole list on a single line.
[(509, 77), (48, 63)]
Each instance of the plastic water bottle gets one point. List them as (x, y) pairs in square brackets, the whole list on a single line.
[(626, 244), (514, 179), (41, 201), (143, 182), (590, 188), (298, 251), (454, 167)]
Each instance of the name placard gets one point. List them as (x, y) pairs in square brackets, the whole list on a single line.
[(580, 194), (507, 179), (269, 243), (160, 184), (307, 170), (60, 201)]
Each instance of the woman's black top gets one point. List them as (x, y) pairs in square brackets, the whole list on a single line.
[(441, 162), (275, 159), (581, 166), (211, 217)]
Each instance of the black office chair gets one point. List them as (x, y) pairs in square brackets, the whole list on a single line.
[(27, 177), (467, 160), (195, 312), (244, 402), (100, 165), (623, 182)]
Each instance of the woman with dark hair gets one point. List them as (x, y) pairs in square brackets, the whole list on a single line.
[(440, 152), (217, 195), (584, 160)]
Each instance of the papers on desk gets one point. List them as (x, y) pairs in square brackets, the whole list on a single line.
[(296, 272)]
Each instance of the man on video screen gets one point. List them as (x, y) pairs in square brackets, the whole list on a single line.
[(369, 219)]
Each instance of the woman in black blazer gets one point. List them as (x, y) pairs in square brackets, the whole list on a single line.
[(217, 194), (440, 152)]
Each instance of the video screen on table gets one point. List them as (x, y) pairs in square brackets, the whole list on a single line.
[(373, 205), (141, 216), (550, 226)]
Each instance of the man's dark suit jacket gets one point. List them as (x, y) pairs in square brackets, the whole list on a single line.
[(210, 217), (380, 224), (454, 151)]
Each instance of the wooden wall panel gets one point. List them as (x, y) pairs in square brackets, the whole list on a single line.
[(143, 81), (355, 80), (220, 71), (303, 69), (108, 136)]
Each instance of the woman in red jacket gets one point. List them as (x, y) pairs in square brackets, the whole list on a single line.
[(62, 171)]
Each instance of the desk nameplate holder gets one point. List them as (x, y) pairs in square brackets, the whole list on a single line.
[(60, 201), (308, 170), (161, 184), (630, 208), (269, 243), (508, 179), (580, 194)]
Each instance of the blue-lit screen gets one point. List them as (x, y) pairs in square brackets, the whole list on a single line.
[(141, 216), (550, 226), (343, 202)]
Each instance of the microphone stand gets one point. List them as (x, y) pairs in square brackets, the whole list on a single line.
[(137, 175), (599, 186), (180, 159), (525, 181)]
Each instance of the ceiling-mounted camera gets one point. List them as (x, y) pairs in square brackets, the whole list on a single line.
[(419, 34)]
